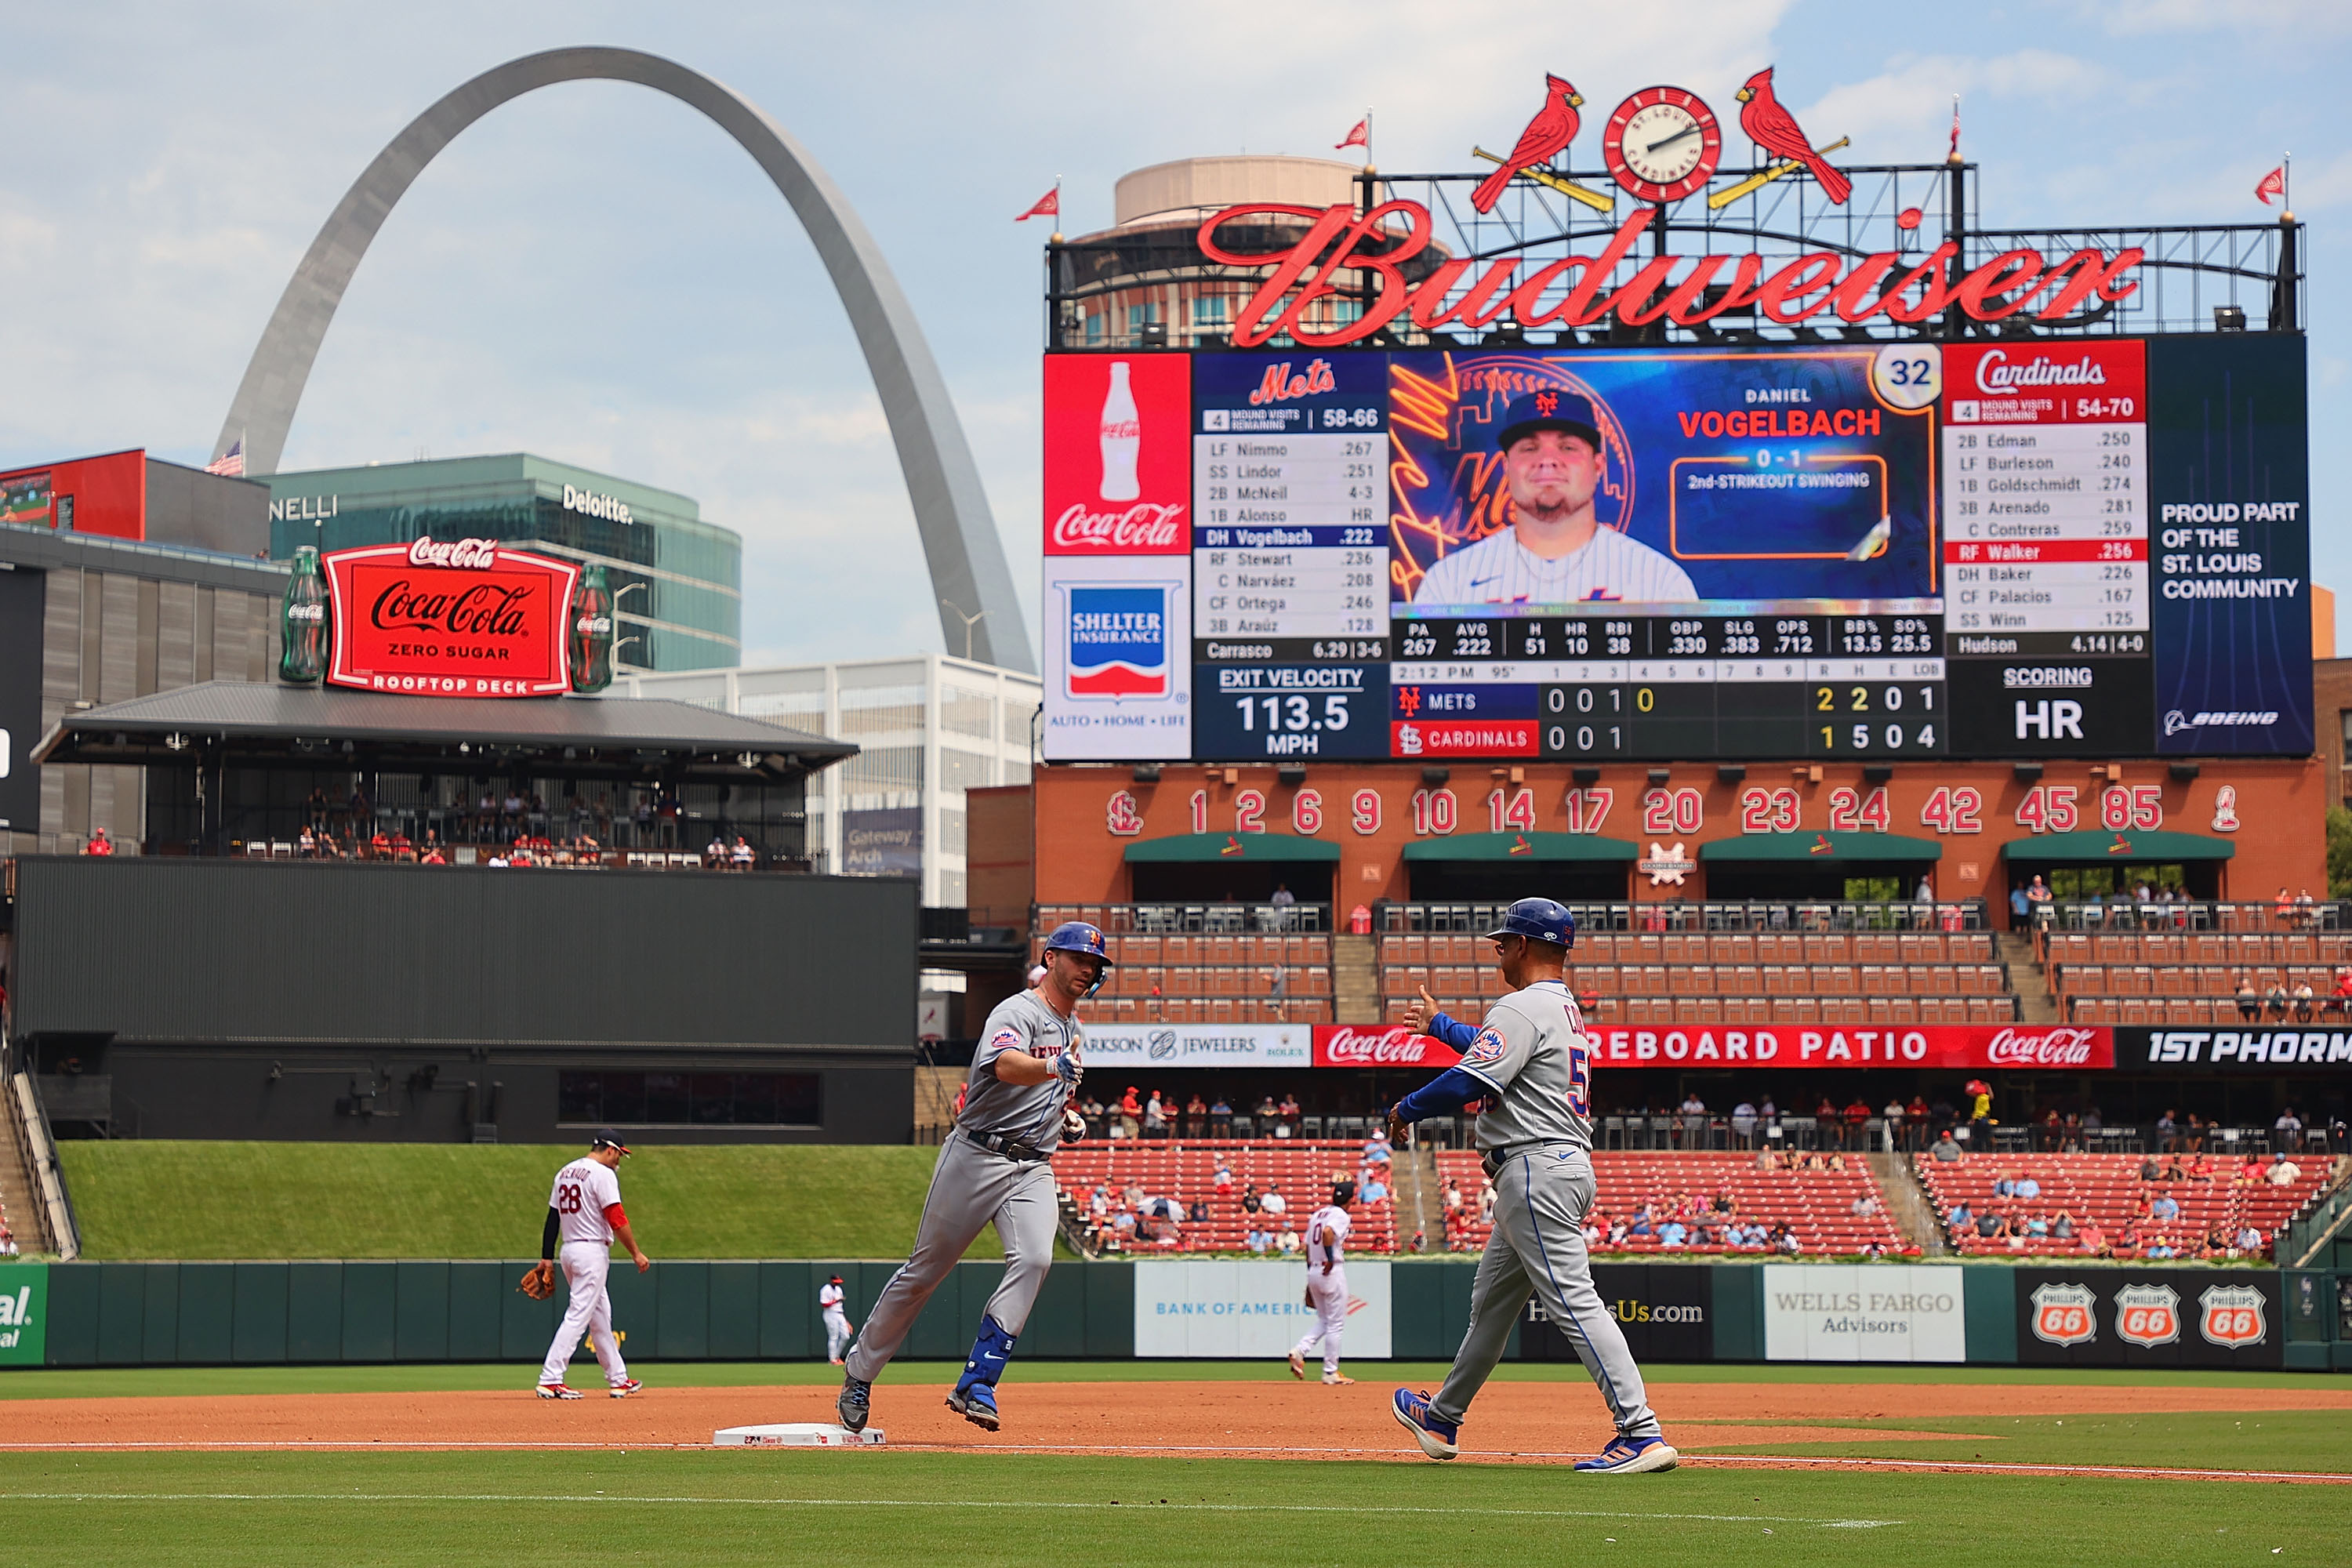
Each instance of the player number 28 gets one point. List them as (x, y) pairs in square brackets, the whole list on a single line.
[(567, 1198)]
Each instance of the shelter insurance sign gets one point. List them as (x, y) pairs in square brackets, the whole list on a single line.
[(464, 617), (1822, 1311)]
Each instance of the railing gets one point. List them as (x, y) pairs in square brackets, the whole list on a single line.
[(1176, 919), (2205, 916), (2300, 1239), (33, 1127), (1747, 915)]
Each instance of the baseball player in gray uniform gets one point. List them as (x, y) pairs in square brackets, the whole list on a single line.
[(1530, 1064), (993, 1166), (1556, 551)]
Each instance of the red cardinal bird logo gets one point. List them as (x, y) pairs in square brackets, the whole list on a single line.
[(1776, 131), (1553, 127)]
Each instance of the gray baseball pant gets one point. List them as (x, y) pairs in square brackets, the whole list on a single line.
[(1541, 1196), (970, 1188)]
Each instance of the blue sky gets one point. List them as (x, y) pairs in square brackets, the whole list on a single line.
[(597, 274)]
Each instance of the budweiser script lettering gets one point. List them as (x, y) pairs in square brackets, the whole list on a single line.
[(454, 552), (2042, 1048), (484, 609), (1341, 247), (1143, 526)]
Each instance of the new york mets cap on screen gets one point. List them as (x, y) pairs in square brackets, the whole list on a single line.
[(1548, 409)]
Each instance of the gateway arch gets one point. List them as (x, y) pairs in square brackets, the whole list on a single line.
[(958, 533)]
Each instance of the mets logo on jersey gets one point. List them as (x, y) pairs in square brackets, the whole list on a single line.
[(2231, 1316), (2062, 1314), (1486, 1047), (2147, 1315), (1119, 641)]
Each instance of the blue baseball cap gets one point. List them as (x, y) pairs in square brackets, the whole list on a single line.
[(1548, 409)]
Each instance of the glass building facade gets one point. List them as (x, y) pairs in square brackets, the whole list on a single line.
[(678, 581)]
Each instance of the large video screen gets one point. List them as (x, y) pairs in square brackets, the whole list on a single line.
[(2015, 547)]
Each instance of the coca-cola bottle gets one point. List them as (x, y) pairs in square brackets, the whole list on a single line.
[(592, 631), (1122, 438), (303, 622)]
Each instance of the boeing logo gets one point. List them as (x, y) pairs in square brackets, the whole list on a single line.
[(2175, 721)]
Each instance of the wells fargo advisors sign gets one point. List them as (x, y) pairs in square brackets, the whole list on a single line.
[(449, 618)]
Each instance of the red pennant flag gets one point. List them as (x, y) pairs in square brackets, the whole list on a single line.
[(1361, 136), (2272, 185), (1048, 206)]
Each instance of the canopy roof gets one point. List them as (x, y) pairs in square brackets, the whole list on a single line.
[(1194, 848), (1834, 846), (1479, 846), (245, 723), (2093, 847)]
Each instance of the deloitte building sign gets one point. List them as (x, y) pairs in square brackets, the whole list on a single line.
[(677, 580)]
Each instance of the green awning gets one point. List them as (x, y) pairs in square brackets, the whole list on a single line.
[(1201, 847), (1834, 846), (1585, 846), (2093, 847)]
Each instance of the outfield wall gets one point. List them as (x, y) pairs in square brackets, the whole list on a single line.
[(154, 1314)]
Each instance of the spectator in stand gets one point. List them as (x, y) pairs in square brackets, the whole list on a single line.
[(1785, 1240), (1863, 1206), (1673, 1233), (100, 843), (1827, 1122), (2167, 1133), (1374, 1188), (1287, 1243), (1960, 1218), (1857, 1124), (1133, 1195), (2004, 1185), (1257, 1240), (2038, 895), (1266, 1113), (1378, 1151), (743, 855), (1596, 1230), (2037, 1227), (1155, 1117), (1743, 1123), (1199, 1213), (1289, 1114), (2289, 1131), (1283, 900), (1945, 1150), (1221, 1118), (2093, 1241), (2337, 1000), (1196, 1116), (1991, 1225), (2284, 1171), (433, 856), (1274, 1203), (2249, 1001), (2164, 1206), (2303, 1002), (714, 854), (1979, 1095), (2062, 1227), (1130, 1114), (2029, 1186), (1694, 1127), (2248, 1240), (2274, 1001), (1487, 1195), (2019, 908), (1251, 1202)]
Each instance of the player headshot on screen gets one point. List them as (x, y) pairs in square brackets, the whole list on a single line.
[(1554, 551)]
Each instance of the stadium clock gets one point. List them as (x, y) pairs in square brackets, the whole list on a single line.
[(1662, 143)]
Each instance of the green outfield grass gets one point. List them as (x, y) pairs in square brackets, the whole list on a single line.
[(769, 1506), (204, 1199)]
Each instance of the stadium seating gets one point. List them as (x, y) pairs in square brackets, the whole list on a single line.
[(1817, 1204), (1645, 978), (1208, 978), (1302, 1169), (2192, 979), (2106, 1189)]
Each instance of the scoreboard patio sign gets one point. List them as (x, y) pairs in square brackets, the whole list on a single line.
[(449, 618)]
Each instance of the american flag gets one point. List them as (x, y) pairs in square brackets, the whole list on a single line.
[(231, 462)]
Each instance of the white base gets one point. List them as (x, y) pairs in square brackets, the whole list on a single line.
[(797, 1435)]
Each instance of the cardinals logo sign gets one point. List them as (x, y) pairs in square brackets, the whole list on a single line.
[(2064, 1315), (2147, 1315), (2232, 1316)]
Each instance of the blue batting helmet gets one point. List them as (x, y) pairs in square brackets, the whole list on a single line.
[(1076, 936), (1538, 920)]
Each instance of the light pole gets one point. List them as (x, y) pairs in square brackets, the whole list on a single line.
[(968, 622)]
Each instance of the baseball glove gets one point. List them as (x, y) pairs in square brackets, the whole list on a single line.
[(539, 1280)]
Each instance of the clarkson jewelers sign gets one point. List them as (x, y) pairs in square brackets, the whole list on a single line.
[(464, 617)]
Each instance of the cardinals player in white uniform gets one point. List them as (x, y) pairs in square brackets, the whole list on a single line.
[(832, 1302), (1556, 550), (1327, 1284), (584, 1210)]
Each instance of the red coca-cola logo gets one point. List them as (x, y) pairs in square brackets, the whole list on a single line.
[(1395, 1046), (1143, 526), (484, 609), (2045, 1047), (454, 552)]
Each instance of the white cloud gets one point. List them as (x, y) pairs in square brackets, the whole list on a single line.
[(2127, 18), (1904, 113)]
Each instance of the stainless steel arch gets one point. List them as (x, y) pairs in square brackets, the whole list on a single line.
[(958, 531)]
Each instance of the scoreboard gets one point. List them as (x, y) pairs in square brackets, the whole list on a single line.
[(1995, 548)]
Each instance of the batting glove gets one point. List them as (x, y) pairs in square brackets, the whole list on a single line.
[(1066, 1068)]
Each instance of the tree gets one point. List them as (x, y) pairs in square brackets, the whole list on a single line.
[(2339, 853)]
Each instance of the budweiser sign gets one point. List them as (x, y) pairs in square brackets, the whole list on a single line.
[(479, 552), (2047, 1048), (1343, 248), (1353, 1046), (1147, 527)]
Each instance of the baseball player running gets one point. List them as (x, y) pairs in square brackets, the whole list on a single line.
[(1529, 1063), (584, 1209), (993, 1166), (1327, 1285), (829, 1302)]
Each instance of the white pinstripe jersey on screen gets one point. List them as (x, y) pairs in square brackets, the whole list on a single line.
[(1499, 570)]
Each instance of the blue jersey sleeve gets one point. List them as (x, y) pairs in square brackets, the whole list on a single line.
[(1450, 1032)]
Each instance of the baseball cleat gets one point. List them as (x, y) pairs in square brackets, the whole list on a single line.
[(1438, 1438), (851, 1402), (976, 1404), (1298, 1366), (557, 1390), (625, 1387), (1337, 1380), (1631, 1457)]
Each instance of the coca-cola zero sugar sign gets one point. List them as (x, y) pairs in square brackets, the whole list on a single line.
[(465, 617), (1118, 464)]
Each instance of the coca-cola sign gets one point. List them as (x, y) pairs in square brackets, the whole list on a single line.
[(1119, 460), (465, 617), (1977, 1047), (2050, 1048), (1372, 1046), (1341, 247)]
